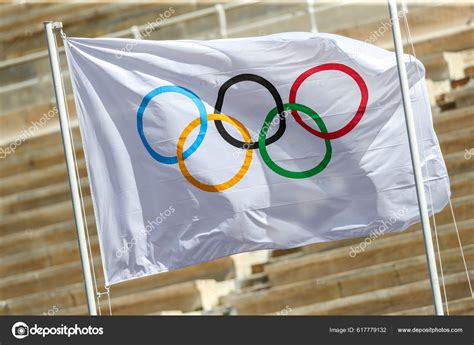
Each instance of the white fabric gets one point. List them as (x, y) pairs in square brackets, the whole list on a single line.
[(367, 186)]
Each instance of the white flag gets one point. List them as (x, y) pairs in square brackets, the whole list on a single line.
[(201, 149)]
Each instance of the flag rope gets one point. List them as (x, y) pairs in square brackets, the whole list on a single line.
[(410, 42), (100, 294), (81, 197), (107, 288), (449, 199)]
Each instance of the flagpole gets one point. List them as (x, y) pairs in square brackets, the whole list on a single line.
[(49, 28), (415, 158)]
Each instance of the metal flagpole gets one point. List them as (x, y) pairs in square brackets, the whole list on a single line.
[(415, 158), (49, 28), (312, 15)]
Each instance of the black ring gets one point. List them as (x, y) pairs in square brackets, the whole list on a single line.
[(279, 104)]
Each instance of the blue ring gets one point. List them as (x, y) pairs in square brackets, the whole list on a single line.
[(202, 114)]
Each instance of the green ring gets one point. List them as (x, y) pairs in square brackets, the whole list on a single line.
[(266, 157)]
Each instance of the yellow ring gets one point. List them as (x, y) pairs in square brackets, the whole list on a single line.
[(237, 177)]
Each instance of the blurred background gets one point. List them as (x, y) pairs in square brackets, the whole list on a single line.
[(40, 269)]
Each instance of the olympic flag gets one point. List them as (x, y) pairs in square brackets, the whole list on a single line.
[(201, 149)]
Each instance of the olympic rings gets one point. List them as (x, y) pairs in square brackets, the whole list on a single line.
[(237, 177), (276, 96), (203, 118), (360, 111), (263, 141), (276, 168)]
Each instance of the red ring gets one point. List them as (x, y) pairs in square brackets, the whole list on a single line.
[(360, 111)]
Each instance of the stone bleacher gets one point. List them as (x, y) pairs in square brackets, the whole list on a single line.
[(40, 267)]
